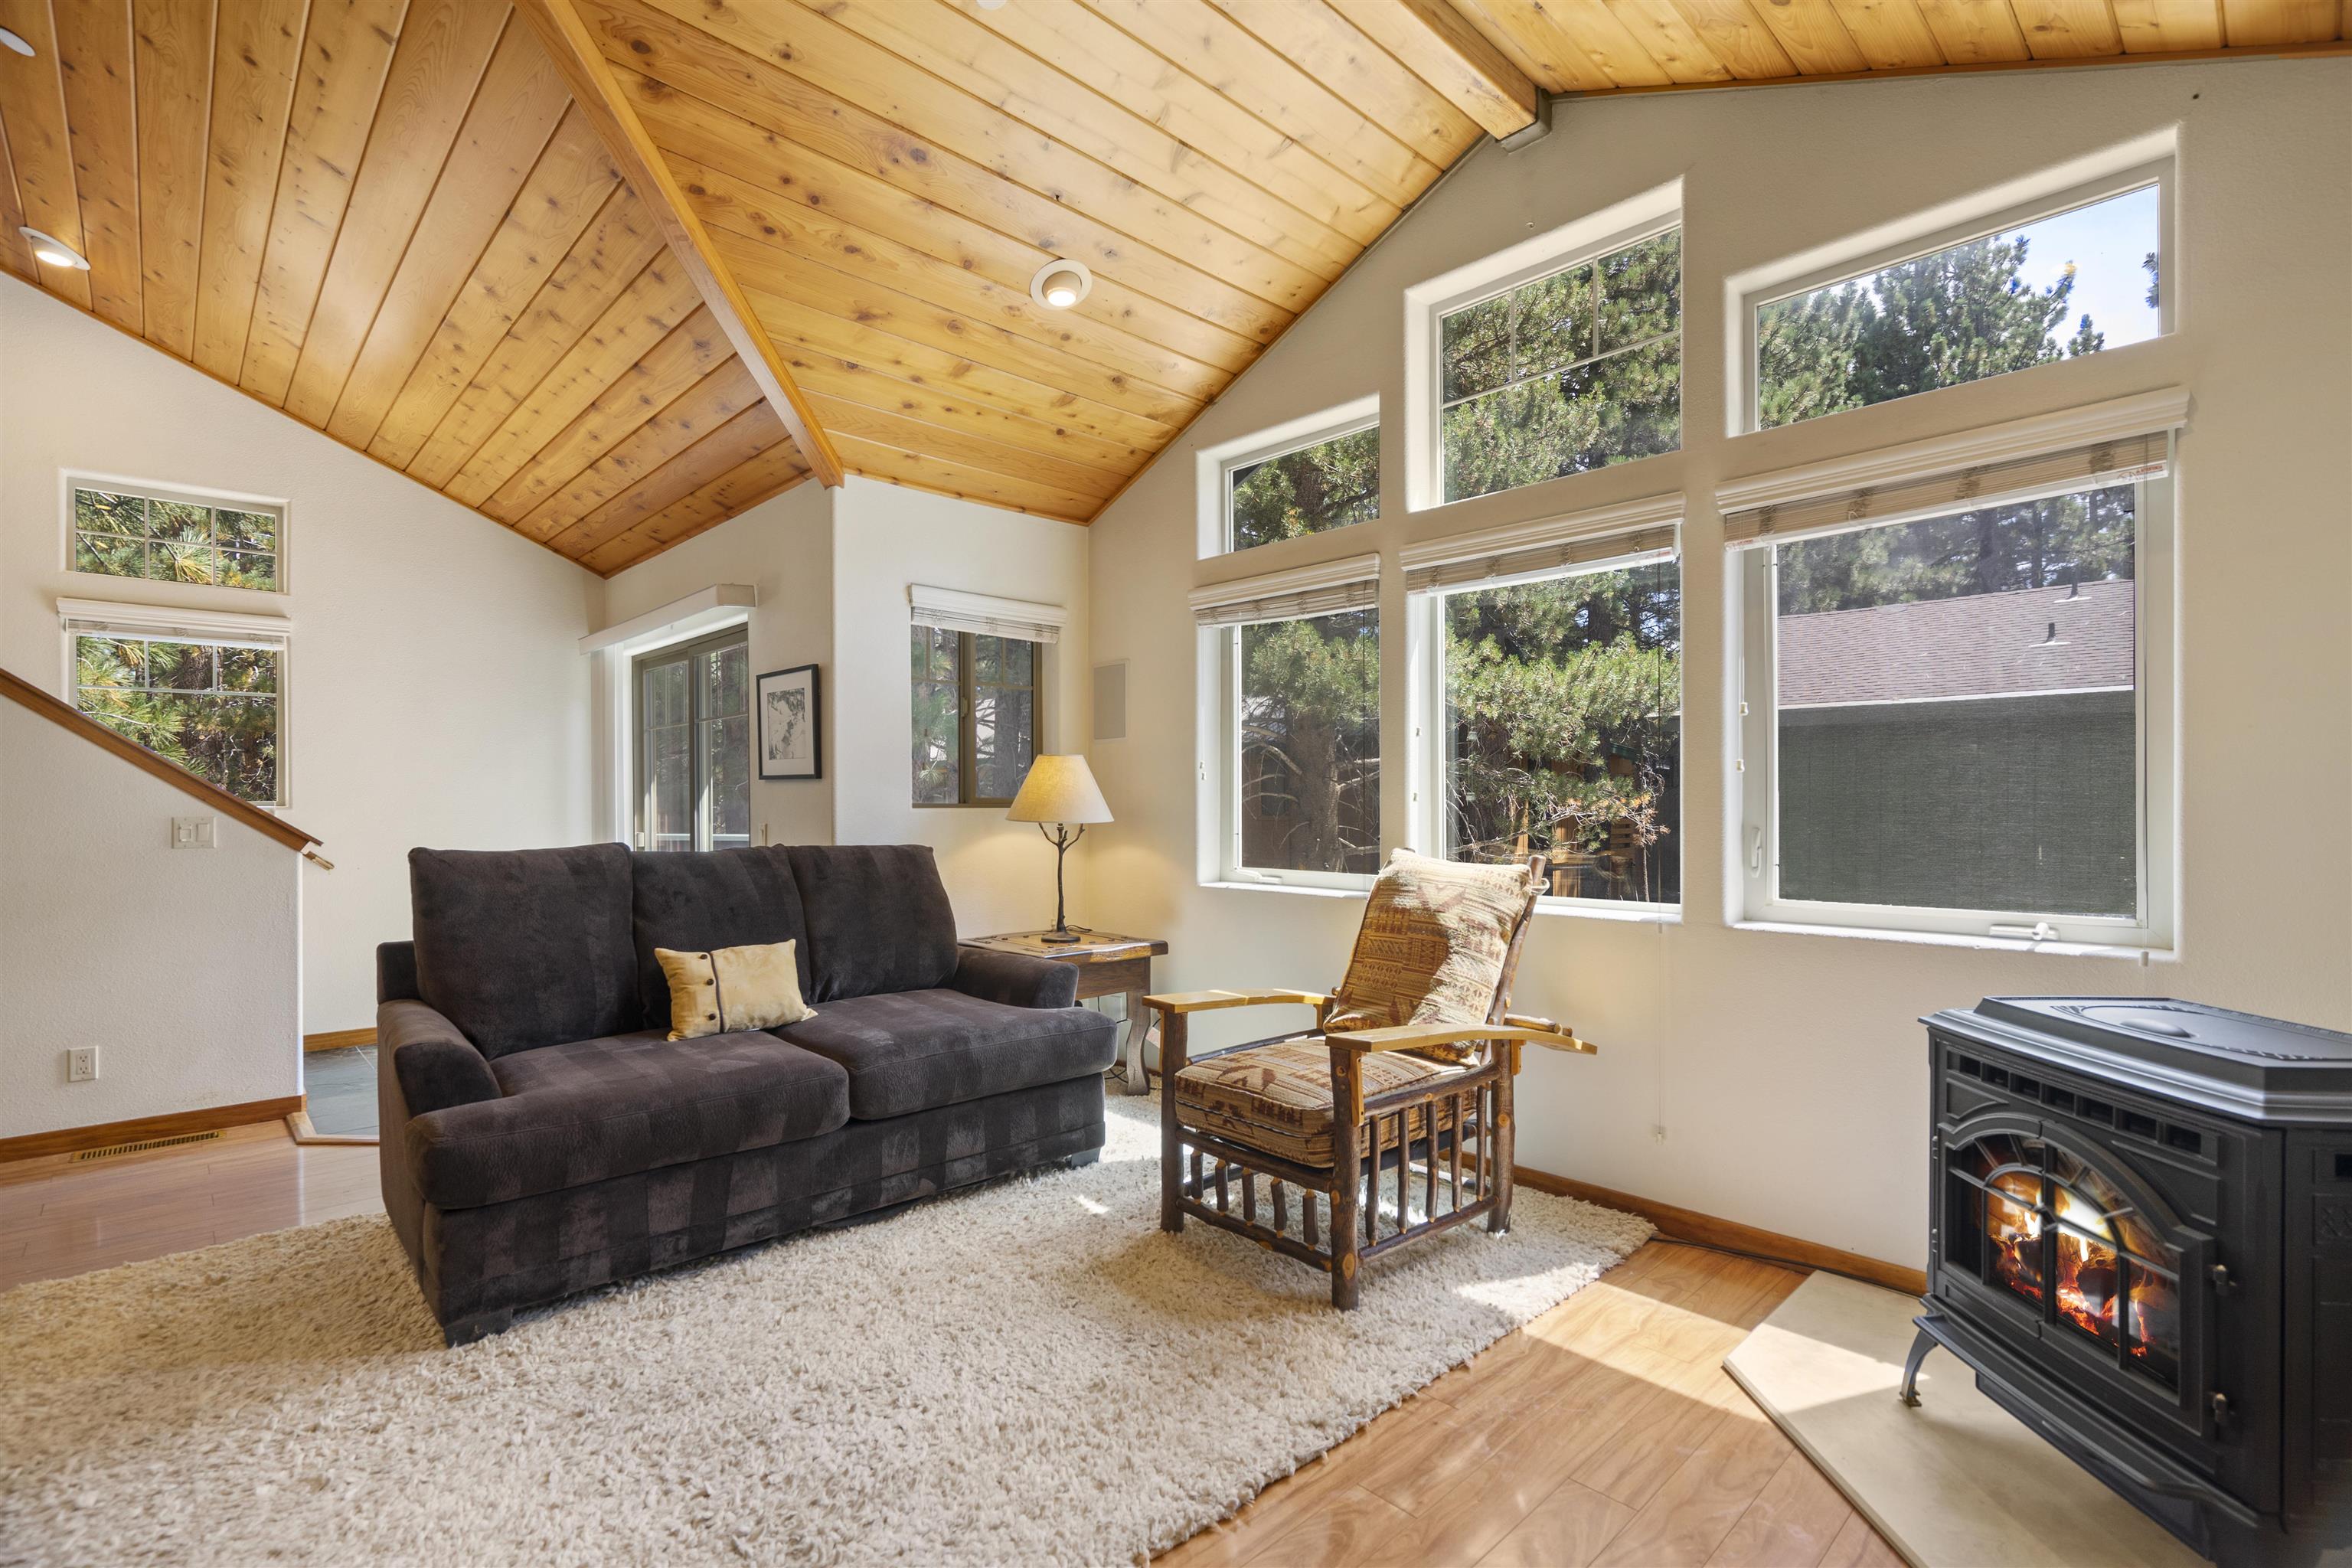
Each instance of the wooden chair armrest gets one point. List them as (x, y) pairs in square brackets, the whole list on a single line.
[(1414, 1036), (1178, 1001)]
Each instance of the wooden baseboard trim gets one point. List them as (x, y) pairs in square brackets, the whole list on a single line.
[(1689, 1224), (338, 1040), (298, 1125), (138, 1128)]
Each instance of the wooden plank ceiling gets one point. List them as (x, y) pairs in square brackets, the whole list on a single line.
[(592, 293)]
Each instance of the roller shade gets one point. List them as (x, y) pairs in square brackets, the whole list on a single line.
[(2110, 444), (985, 615), (1353, 583), (105, 617), (1631, 534)]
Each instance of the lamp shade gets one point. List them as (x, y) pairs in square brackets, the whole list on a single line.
[(1060, 789)]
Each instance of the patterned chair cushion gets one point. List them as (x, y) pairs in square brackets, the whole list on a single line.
[(1431, 947), (1277, 1097)]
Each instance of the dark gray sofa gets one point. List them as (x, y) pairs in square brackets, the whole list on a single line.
[(541, 1136)]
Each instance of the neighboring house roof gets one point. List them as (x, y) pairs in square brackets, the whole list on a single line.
[(1986, 645)]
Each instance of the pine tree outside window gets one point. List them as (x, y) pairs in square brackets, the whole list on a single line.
[(2072, 275)]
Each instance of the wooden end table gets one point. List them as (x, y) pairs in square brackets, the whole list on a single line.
[(1108, 964)]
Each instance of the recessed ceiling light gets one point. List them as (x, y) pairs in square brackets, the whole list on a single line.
[(991, 5), (53, 250), (15, 41), (1061, 284)]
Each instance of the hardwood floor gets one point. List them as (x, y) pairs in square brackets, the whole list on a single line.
[(59, 1217), (1605, 1432)]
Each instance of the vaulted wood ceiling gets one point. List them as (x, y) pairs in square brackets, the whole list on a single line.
[(611, 271)]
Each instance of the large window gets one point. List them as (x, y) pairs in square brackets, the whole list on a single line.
[(1325, 484), (694, 744), (1301, 748), (1562, 730), (212, 707), (1949, 720), (975, 716), (2047, 286), (168, 537), (1573, 370)]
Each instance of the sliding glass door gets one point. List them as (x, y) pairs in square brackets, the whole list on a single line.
[(694, 744)]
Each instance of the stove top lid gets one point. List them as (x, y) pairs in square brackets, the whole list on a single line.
[(2166, 1021)]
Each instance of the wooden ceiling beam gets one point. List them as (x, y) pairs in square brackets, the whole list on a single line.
[(576, 56), (1437, 45)]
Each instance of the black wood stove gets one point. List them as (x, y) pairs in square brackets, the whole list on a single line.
[(2141, 1243)]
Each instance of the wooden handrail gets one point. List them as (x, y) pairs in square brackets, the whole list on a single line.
[(30, 696)]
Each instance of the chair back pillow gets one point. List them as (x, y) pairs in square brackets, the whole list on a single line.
[(694, 902), (1432, 948), (522, 948), (879, 918)]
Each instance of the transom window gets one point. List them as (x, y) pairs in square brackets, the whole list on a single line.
[(975, 716), (1574, 370), (694, 744), (175, 537), (2052, 283), (212, 707), (1324, 484)]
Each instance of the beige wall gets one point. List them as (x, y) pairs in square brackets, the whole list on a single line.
[(1000, 874), (1780, 1079), (181, 966), (435, 694), (782, 550)]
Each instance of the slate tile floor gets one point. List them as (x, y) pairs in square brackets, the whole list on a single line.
[(341, 1087)]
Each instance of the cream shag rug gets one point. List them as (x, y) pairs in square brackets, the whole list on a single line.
[(1030, 1373)]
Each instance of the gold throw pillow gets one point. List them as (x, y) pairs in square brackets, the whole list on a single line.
[(1431, 947), (730, 989)]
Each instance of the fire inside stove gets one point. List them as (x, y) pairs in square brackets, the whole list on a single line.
[(2061, 1237)]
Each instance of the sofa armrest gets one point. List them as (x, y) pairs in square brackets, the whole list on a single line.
[(395, 973), (1014, 979), (436, 1066)]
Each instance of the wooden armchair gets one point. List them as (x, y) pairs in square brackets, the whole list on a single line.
[(1328, 1113)]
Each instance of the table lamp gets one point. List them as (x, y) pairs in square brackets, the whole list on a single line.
[(1059, 796)]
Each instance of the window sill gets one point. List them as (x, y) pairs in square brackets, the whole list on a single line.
[(1952, 939), (1292, 888), (1635, 915)]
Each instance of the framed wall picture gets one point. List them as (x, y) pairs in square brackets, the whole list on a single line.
[(792, 730)]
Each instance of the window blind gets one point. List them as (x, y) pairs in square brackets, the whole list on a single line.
[(1633, 533), (1353, 583), (984, 614), (2108, 444), (101, 617)]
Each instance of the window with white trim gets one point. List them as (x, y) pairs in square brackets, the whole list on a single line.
[(2069, 275), (124, 529), (1291, 766), (1334, 482), (1956, 713), (206, 692), (1550, 711), (977, 664), (1576, 368)]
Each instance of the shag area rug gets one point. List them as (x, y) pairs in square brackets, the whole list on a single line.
[(1029, 1373)]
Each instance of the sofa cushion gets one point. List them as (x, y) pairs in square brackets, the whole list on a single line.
[(1277, 1097), (522, 948), (591, 1110), (722, 898), (879, 918), (910, 1050)]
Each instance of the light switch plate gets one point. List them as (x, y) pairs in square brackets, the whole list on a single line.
[(194, 833)]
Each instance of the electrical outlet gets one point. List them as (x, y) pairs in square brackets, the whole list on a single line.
[(82, 1063), (193, 833)]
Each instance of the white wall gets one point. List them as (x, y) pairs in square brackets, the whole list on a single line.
[(181, 966), (1787, 1071), (1000, 874), (436, 693), (783, 549)]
